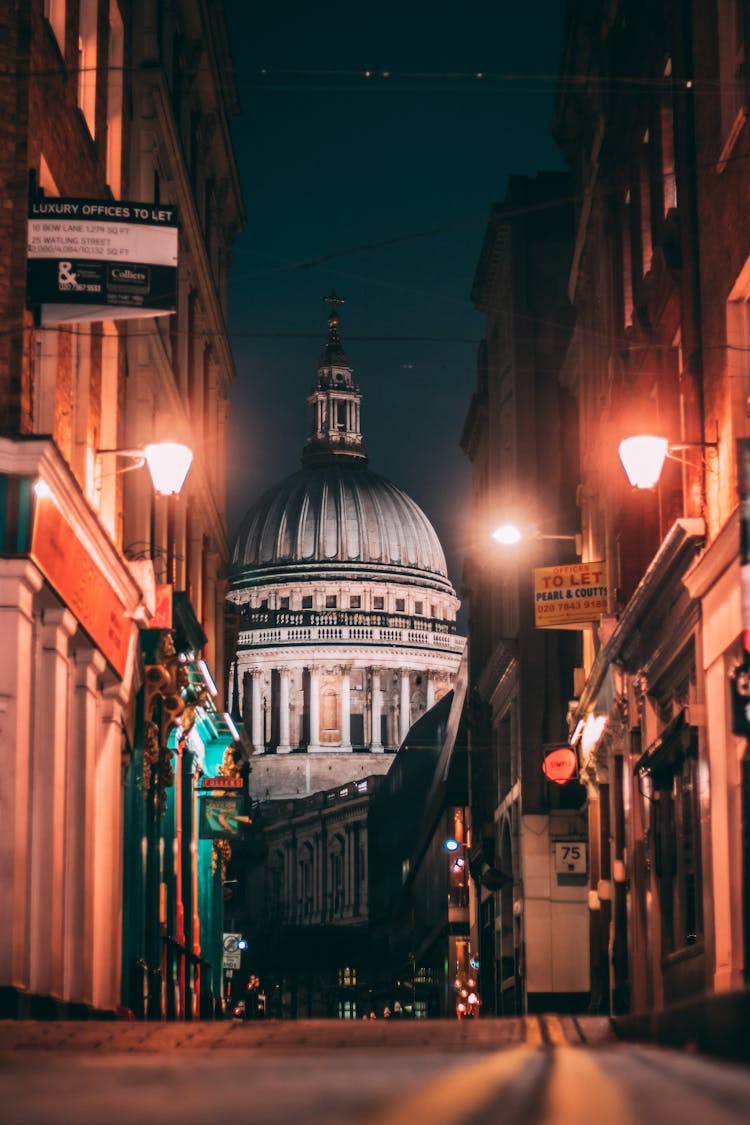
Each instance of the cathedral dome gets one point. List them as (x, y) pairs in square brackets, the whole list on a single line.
[(340, 516), (345, 615)]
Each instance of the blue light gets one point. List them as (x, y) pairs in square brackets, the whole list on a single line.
[(242, 944), (451, 844)]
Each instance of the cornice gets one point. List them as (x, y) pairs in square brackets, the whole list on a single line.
[(40, 457), (668, 566)]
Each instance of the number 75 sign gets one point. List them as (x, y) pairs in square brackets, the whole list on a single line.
[(570, 857)]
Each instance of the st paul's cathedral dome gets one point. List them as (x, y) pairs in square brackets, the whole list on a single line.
[(347, 615)]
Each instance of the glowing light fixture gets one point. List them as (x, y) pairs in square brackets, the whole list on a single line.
[(643, 458), (208, 679), (592, 732), (232, 728), (168, 463), (451, 844), (42, 490), (509, 534)]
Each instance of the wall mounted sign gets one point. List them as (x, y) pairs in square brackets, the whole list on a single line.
[(221, 783), (560, 765), (222, 818), (162, 618), (75, 575), (571, 595), (571, 857), (101, 259)]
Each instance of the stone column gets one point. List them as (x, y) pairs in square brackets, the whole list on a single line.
[(256, 711), (314, 733), (404, 707), (346, 734), (349, 870), (430, 690), (376, 744), (47, 826), (108, 867), (80, 829), (284, 746)]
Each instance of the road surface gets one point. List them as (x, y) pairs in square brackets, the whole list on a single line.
[(545, 1070)]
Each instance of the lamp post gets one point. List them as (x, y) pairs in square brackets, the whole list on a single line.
[(508, 534), (168, 463), (643, 456)]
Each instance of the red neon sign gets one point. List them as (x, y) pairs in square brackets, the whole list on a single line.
[(560, 765)]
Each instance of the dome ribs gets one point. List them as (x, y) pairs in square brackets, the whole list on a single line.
[(339, 513)]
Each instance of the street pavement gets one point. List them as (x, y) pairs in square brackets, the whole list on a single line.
[(547, 1070)]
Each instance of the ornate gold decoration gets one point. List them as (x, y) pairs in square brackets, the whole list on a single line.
[(163, 706), (229, 767), (222, 853)]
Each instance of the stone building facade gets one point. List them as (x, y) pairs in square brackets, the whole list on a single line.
[(531, 926), (659, 280), (347, 617)]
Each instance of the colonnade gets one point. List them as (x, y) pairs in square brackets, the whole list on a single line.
[(320, 876), (373, 709), (62, 855)]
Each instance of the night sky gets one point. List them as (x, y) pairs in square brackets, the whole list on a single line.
[(380, 187)]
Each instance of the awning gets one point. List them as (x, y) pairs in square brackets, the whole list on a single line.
[(665, 756)]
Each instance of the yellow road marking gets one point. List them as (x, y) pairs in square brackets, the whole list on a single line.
[(581, 1093), (555, 1033), (532, 1032), (454, 1096)]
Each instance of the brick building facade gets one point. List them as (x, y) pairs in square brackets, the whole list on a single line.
[(105, 102)]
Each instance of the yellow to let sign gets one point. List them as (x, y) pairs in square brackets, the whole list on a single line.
[(571, 595)]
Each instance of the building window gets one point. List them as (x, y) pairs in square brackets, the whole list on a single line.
[(87, 62), (283, 603), (355, 601), (347, 1009), (347, 976), (400, 605), (307, 601), (627, 260), (669, 180), (731, 74), (668, 779), (114, 100), (331, 601), (54, 12), (378, 603), (419, 608), (644, 203)]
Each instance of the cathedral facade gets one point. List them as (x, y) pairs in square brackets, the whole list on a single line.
[(347, 615)]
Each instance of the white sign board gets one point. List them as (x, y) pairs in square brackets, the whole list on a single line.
[(101, 259), (571, 857), (232, 951)]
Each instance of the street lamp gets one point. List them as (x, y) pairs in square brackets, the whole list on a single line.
[(168, 463), (643, 456), (508, 534)]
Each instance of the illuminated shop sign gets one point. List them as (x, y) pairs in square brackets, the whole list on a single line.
[(98, 259), (74, 574), (560, 765), (222, 818)]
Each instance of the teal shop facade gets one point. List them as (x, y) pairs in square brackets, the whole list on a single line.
[(173, 879)]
